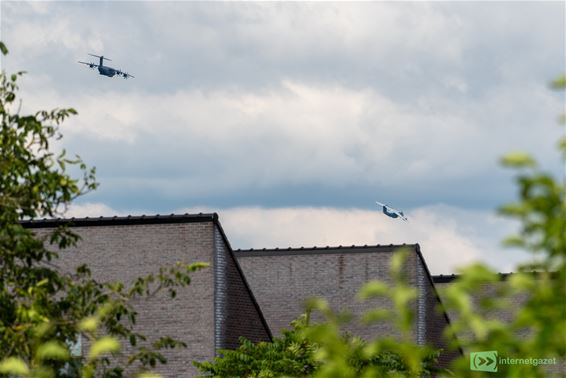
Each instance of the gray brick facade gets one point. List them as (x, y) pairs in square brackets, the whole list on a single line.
[(283, 279), (236, 311), (210, 313)]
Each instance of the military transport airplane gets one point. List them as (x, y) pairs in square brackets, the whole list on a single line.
[(391, 212), (105, 70)]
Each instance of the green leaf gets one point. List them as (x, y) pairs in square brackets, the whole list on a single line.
[(514, 241), (106, 344), (89, 324), (52, 350), (3, 48), (14, 365), (317, 304), (398, 261), (197, 266), (514, 209), (518, 160), (522, 281), (375, 315), (559, 83), (373, 289)]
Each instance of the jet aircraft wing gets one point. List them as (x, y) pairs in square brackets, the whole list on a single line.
[(91, 65), (125, 75)]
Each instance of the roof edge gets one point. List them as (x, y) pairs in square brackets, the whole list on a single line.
[(120, 220), (241, 253), (442, 278)]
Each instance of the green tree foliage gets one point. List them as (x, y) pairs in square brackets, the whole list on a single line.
[(288, 355), (44, 310)]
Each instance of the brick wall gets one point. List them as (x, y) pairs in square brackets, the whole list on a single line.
[(213, 312), (124, 252), (236, 310), (282, 280), (433, 314)]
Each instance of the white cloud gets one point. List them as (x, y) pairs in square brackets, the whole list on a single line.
[(91, 209), (449, 237)]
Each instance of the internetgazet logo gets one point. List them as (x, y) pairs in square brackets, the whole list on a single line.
[(484, 361), (488, 361)]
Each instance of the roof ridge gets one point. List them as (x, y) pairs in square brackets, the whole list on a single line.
[(120, 220), (320, 248), (443, 278)]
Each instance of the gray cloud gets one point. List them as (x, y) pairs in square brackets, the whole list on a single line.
[(296, 104), (449, 237)]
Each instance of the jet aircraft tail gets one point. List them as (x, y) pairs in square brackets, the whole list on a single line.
[(101, 58)]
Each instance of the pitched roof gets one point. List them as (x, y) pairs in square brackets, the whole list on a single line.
[(120, 220), (322, 250), (441, 278)]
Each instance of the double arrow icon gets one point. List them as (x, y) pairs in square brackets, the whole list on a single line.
[(487, 360), (484, 361)]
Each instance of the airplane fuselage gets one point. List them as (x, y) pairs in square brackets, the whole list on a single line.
[(106, 71)]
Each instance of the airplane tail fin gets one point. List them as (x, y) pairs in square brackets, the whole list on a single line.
[(101, 58)]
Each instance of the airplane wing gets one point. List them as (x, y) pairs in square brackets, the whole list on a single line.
[(91, 65), (125, 75), (380, 204), (400, 214)]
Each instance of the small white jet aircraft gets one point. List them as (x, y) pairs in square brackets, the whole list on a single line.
[(391, 212)]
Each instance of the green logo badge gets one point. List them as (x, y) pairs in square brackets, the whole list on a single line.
[(484, 361)]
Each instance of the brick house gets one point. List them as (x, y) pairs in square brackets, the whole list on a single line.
[(250, 293), (283, 279)]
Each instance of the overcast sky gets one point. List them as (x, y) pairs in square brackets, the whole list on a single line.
[(291, 119)]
